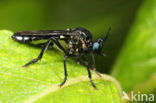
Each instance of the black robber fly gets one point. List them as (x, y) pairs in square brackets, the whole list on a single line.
[(79, 43)]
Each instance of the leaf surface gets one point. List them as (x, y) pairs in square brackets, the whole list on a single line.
[(39, 82)]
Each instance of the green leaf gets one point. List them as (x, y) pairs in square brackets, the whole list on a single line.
[(136, 65), (39, 82)]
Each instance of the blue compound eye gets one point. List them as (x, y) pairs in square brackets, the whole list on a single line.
[(96, 46)]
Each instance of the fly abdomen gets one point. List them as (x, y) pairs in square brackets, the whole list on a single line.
[(22, 39)]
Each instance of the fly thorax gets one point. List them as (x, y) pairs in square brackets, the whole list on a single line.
[(70, 47)]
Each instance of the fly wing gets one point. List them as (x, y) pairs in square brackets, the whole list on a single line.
[(29, 36), (42, 33)]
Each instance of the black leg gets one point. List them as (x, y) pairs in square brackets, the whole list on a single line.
[(89, 73), (44, 49), (93, 62), (40, 55), (58, 44), (93, 65), (42, 44), (65, 71)]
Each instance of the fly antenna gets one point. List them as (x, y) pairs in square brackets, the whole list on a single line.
[(106, 36)]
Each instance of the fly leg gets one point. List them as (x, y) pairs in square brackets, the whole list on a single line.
[(42, 44), (65, 57), (58, 44), (65, 71), (40, 55), (44, 49), (93, 62), (93, 65), (89, 73)]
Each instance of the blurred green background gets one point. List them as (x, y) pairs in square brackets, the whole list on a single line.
[(95, 15)]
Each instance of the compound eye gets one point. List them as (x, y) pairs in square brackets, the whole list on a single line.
[(96, 46)]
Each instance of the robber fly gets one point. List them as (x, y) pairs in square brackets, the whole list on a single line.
[(79, 43)]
